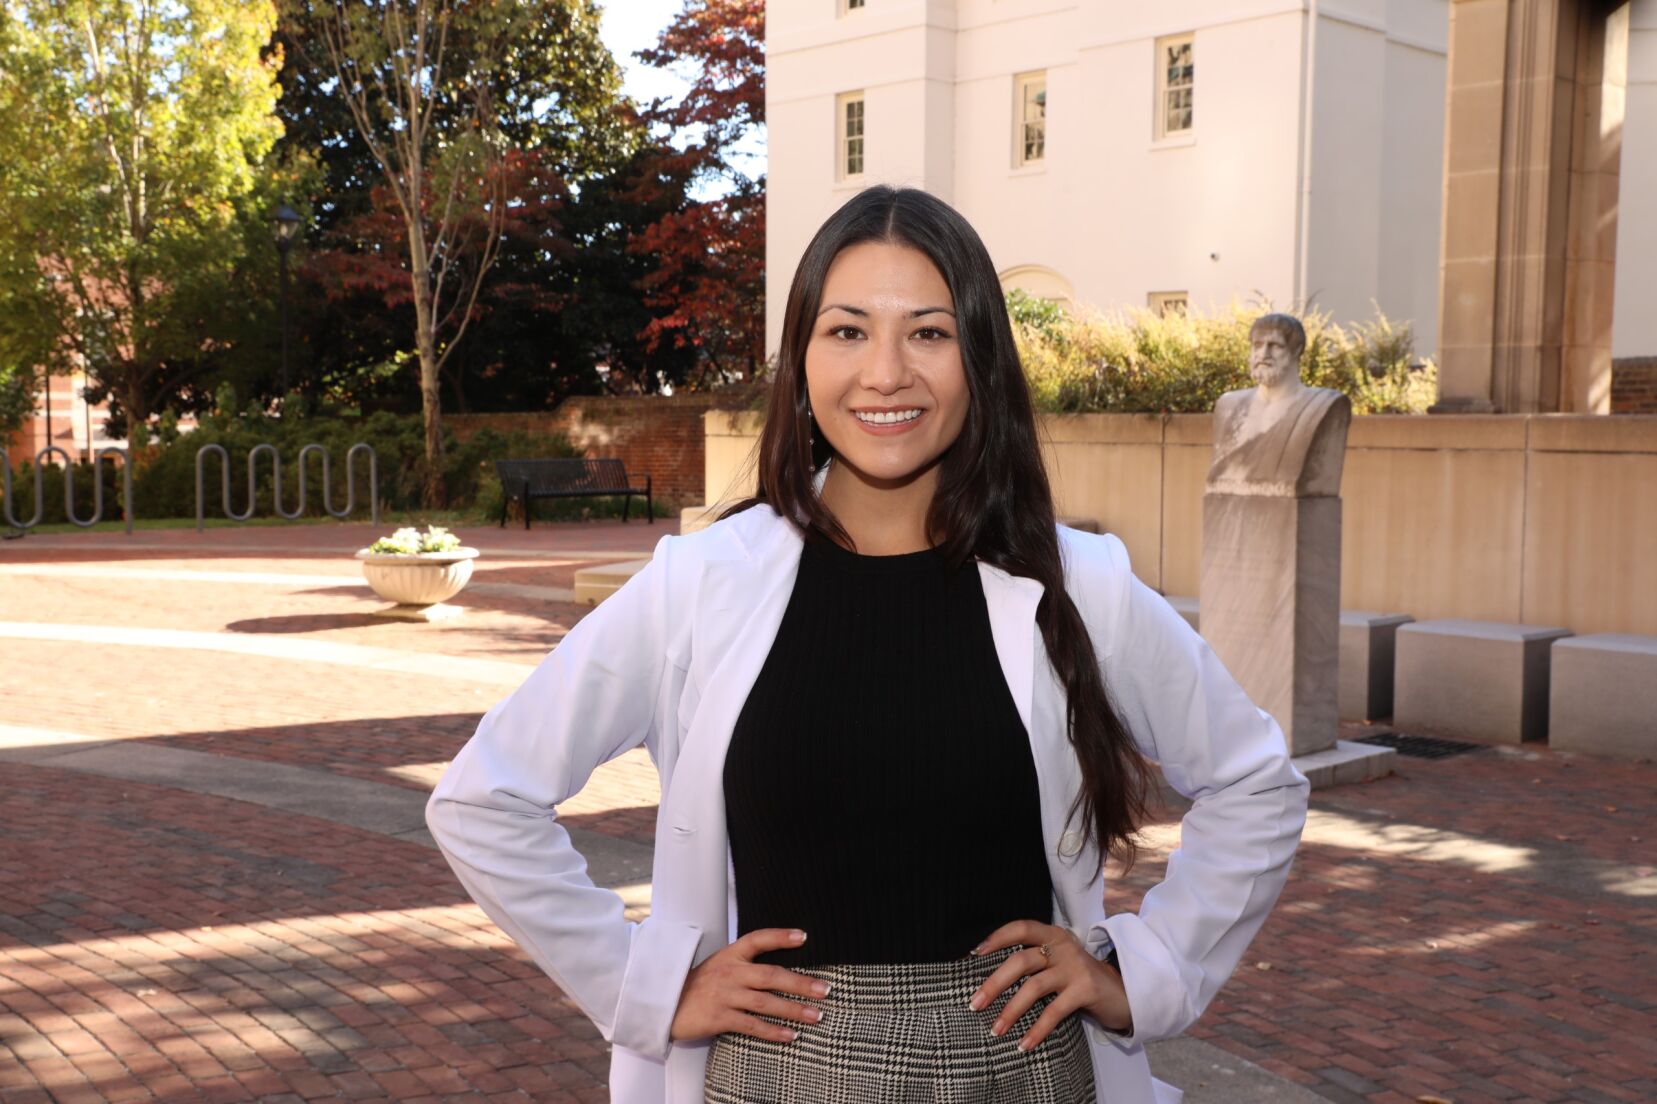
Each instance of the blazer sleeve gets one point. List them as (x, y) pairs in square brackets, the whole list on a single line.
[(602, 690), (1238, 837)]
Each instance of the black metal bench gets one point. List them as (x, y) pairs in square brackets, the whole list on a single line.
[(527, 480)]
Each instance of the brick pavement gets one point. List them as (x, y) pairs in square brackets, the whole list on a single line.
[(1470, 972), (1475, 929), (153, 948)]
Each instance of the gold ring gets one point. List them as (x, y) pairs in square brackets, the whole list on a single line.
[(1046, 950)]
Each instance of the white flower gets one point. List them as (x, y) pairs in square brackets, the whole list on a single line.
[(411, 542)]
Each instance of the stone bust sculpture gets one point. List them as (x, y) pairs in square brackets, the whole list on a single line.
[(1280, 438)]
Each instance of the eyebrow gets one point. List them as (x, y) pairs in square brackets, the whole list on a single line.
[(861, 313)]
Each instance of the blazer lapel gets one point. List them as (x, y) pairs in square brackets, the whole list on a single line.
[(740, 607), (1012, 602)]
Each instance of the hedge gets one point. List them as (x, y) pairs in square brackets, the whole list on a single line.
[(1137, 361), (164, 474)]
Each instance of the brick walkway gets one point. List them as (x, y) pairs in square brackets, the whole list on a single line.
[(1473, 929)]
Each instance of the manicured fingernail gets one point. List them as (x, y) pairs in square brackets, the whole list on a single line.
[(813, 1014), (820, 988), (1025, 1044), (997, 1029), (976, 1001), (792, 1035), (978, 949), (797, 935)]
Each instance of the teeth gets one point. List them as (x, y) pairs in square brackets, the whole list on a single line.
[(888, 417)]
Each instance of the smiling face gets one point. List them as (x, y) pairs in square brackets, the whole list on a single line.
[(883, 366)]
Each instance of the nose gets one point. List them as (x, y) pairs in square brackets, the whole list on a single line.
[(885, 366)]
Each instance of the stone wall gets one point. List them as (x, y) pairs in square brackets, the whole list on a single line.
[(1634, 385), (1546, 518), (654, 435)]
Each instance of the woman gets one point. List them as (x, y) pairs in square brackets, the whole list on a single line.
[(900, 717)]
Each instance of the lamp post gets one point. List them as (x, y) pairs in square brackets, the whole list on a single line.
[(287, 228)]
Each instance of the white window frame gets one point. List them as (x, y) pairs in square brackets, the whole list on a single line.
[(1021, 121), (843, 137), (1161, 302), (1165, 89)]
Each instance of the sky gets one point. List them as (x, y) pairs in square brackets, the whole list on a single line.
[(630, 25)]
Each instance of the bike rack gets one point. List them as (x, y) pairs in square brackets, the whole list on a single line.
[(69, 487), (276, 481)]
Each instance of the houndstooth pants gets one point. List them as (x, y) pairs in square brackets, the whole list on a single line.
[(903, 1034)]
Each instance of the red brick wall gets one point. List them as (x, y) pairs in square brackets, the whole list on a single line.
[(653, 435), (1634, 385)]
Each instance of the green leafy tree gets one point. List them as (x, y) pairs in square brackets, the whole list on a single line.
[(18, 385), (562, 125), (442, 95), (135, 134)]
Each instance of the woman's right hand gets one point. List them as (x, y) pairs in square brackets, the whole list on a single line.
[(729, 991)]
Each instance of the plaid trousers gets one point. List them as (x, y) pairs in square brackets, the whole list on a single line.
[(903, 1034)]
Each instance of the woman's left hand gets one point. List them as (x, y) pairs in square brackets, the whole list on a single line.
[(1077, 980)]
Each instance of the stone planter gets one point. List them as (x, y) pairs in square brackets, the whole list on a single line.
[(420, 584)]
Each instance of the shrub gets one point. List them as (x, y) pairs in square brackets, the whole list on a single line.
[(23, 500), (1141, 362)]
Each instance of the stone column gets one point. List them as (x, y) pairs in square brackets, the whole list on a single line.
[(1270, 606), (1532, 153)]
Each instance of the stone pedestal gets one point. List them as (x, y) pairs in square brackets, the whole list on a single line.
[(1604, 695), (594, 584), (1346, 762), (1366, 663), (1186, 607), (1270, 606), (692, 518), (1474, 680)]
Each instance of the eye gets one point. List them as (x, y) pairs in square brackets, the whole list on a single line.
[(842, 331), (931, 333)]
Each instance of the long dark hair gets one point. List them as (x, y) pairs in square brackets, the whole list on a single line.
[(992, 503)]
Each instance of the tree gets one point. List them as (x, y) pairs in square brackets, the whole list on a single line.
[(18, 386), (134, 134), (555, 92), (709, 282), (440, 93), (562, 125)]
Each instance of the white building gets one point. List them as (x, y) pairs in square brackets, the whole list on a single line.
[(1128, 154)]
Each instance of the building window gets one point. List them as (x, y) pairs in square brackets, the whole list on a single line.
[(1175, 85), (851, 135), (853, 5), (1164, 303), (1031, 139)]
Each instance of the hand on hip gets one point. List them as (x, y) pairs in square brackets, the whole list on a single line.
[(729, 991), (1055, 962)]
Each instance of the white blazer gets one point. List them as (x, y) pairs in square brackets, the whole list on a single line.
[(668, 661)]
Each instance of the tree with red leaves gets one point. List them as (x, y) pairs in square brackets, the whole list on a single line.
[(708, 284)]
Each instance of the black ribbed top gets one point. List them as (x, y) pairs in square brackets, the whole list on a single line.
[(879, 787)]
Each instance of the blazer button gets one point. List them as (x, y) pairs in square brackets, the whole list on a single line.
[(1070, 843)]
